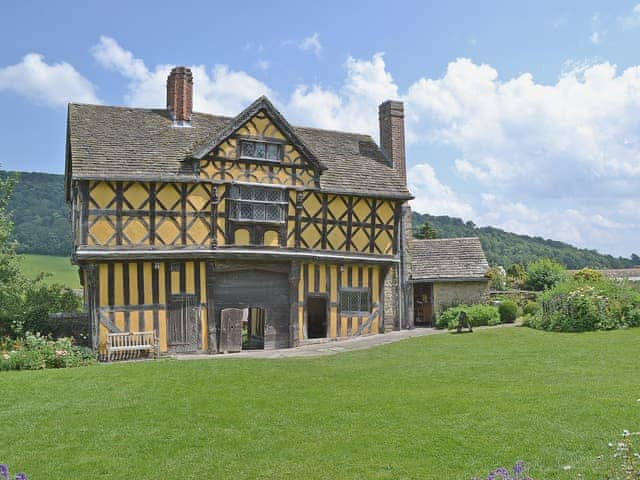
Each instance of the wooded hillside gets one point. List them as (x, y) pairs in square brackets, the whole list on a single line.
[(505, 248), (40, 214), (43, 226)]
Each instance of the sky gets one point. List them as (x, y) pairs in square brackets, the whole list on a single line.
[(520, 115)]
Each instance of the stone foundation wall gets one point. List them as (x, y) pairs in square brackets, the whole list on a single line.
[(449, 294)]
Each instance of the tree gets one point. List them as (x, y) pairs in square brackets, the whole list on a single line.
[(545, 273), (426, 230), (516, 275), (12, 281)]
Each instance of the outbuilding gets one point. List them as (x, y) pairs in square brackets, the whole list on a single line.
[(446, 272)]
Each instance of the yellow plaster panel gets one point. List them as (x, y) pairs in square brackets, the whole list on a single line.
[(361, 210), (135, 231), (385, 212), (198, 198), (241, 237), (168, 197), (118, 284), (102, 231), (133, 283), (103, 194), (136, 195), (148, 298), (198, 232), (190, 277), (271, 238), (360, 240), (162, 324), (167, 232)]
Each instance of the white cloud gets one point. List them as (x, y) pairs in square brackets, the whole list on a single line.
[(569, 139), (110, 55), (577, 226), (594, 38), (354, 107), (312, 43), (219, 90), (432, 196), (631, 20), (53, 85)]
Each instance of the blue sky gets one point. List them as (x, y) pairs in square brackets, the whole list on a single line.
[(522, 115)]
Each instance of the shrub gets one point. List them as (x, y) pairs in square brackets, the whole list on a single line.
[(588, 275), (573, 306), (545, 273), (478, 315), (531, 308), (508, 311)]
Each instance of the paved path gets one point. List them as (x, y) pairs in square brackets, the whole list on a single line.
[(331, 347)]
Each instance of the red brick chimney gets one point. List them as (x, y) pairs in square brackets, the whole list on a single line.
[(180, 95), (391, 116)]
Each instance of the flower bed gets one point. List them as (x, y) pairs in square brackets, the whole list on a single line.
[(36, 352)]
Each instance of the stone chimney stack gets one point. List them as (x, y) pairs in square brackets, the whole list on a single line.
[(391, 116), (180, 95)]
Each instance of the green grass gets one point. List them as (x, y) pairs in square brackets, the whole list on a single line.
[(60, 267), (439, 407)]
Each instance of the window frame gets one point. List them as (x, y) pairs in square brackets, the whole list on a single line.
[(279, 145), (234, 211), (366, 294)]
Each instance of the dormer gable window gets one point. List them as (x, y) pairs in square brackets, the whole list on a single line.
[(259, 150)]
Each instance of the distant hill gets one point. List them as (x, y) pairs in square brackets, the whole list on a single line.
[(43, 226), (40, 214), (505, 248)]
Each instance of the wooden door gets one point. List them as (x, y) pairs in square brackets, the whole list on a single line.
[(182, 323)]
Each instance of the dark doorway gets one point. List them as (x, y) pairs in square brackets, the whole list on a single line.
[(316, 317), (423, 304), (182, 323), (253, 329)]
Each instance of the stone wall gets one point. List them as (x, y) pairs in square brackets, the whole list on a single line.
[(448, 294), (390, 296)]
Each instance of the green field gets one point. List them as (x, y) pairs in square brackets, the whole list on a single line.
[(436, 407), (60, 267)]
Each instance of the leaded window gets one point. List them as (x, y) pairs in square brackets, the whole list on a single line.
[(354, 300), (260, 150), (257, 204)]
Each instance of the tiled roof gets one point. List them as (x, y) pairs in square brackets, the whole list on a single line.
[(448, 259), (141, 143)]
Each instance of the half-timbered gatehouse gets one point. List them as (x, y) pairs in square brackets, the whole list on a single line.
[(179, 215)]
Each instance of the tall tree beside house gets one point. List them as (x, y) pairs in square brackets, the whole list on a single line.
[(426, 231), (11, 280)]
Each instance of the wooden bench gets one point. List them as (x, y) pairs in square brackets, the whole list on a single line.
[(126, 345)]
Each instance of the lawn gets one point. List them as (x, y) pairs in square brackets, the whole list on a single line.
[(60, 267), (438, 407)]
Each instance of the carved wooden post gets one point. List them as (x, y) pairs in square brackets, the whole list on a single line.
[(92, 305)]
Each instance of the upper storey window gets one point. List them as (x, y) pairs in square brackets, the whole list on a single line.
[(253, 150), (257, 204)]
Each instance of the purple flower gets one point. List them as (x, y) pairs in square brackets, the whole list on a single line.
[(4, 471)]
